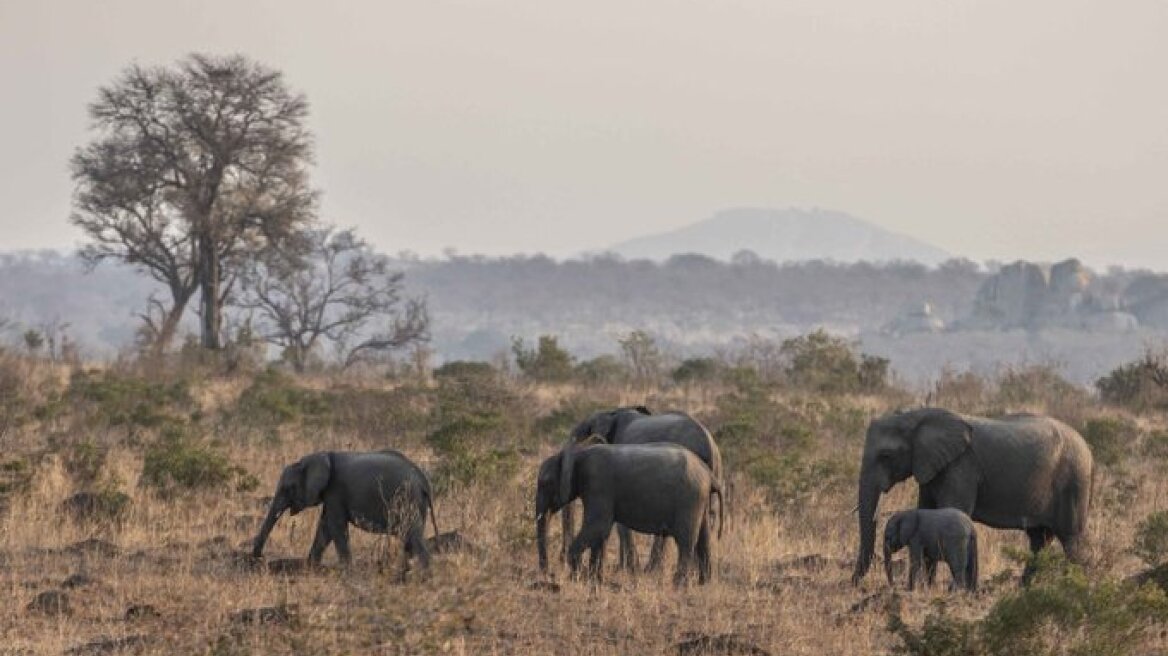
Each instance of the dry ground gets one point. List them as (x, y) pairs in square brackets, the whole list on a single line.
[(781, 576)]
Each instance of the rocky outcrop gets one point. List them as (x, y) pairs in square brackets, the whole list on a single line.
[(1147, 299), (1029, 296)]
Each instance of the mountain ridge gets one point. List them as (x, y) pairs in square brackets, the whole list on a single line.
[(783, 235)]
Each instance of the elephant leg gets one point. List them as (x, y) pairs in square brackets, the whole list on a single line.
[(1039, 539), (594, 532), (338, 529), (628, 548), (955, 558), (930, 571), (703, 552), (915, 557), (686, 541), (415, 545), (320, 542), (657, 553), (596, 557)]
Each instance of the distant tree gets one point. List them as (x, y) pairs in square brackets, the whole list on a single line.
[(33, 340), (642, 355), (334, 290), (195, 168), (547, 362), (826, 363)]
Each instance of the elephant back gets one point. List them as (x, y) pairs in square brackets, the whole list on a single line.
[(677, 428)]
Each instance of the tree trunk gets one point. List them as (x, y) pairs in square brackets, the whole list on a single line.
[(211, 303)]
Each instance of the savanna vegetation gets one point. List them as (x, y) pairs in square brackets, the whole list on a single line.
[(131, 491)]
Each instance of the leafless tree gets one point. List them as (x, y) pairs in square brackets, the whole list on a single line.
[(194, 169), (336, 289)]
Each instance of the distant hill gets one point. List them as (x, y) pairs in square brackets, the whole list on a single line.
[(788, 235)]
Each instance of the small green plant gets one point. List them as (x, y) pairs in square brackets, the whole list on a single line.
[(84, 461), (274, 398), (941, 634), (1151, 541)]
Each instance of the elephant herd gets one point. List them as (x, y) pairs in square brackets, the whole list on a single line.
[(659, 474)]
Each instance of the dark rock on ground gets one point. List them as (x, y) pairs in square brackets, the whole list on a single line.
[(50, 602), (450, 542), (546, 586), (94, 546), (282, 614), (725, 643), (140, 612), (92, 506), (78, 580), (109, 646)]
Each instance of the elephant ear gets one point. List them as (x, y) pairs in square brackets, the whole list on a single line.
[(939, 439), (317, 469), (642, 409), (906, 526), (604, 425), (567, 468)]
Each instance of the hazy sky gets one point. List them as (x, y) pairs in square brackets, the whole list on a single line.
[(991, 128)]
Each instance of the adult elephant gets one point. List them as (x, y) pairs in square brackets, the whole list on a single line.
[(1023, 471), (638, 425)]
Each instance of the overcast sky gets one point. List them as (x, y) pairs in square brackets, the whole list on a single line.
[(991, 128)]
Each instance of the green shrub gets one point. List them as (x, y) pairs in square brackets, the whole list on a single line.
[(473, 449), (1138, 385), (555, 426), (824, 363), (274, 398), (15, 478), (466, 370), (1037, 384), (1156, 444), (601, 369), (1062, 611), (1110, 438), (178, 462), (1151, 541), (548, 362), (117, 399), (696, 370)]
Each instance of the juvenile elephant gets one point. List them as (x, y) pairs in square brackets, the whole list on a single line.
[(1024, 471), (637, 425), (379, 492), (657, 488), (933, 535)]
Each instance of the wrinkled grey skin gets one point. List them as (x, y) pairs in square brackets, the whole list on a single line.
[(944, 534), (1025, 472), (637, 425), (379, 492), (658, 488)]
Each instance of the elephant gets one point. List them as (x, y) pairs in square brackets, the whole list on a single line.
[(932, 535), (379, 491), (658, 488), (1021, 471), (638, 425)]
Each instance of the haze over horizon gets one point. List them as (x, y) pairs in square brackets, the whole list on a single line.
[(991, 130)]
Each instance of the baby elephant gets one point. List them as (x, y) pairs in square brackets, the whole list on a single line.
[(379, 492), (656, 488), (932, 535)]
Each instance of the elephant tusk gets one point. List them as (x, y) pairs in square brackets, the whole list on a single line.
[(854, 509)]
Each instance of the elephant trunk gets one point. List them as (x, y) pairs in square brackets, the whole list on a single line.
[(277, 508), (888, 562), (869, 499)]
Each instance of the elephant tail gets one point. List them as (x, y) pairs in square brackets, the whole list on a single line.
[(716, 489), (971, 566), (433, 519)]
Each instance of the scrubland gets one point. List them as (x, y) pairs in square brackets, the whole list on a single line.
[(176, 459)]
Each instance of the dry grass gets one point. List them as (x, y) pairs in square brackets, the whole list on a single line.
[(181, 557)]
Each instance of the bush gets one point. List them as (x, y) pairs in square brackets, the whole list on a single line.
[(548, 363), (823, 363), (134, 402), (696, 370), (1037, 384), (1151, 542), (84, 461), (1061, 612), (473, 449), (1110, 438), (1138, 385), (274, 399), (601, 369), (179, 462)]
